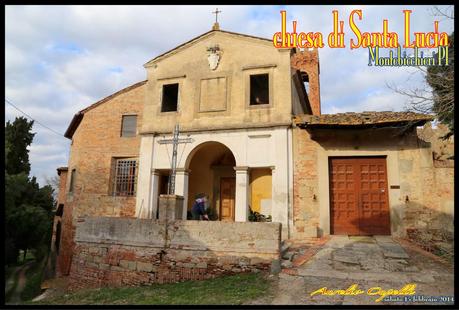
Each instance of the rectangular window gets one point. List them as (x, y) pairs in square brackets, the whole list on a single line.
[(128, 126), (72, 180), (259, 89), (170, 97), (57, 241), (125, 181)]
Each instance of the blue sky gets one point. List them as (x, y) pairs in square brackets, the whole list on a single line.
[(60, 59)]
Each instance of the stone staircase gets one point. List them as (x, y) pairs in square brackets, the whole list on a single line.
[(287, 253), (295, 253)]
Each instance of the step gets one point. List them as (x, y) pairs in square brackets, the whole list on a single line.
[(286, 264), (284, 249), (288, 256)]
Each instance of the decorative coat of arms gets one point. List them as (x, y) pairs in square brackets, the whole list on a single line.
[(213, 56)]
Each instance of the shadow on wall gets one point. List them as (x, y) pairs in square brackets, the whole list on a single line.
[(122, 251), (375, 139), (431, 229)]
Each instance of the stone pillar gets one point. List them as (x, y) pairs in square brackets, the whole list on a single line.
[(242, 194), (181, 188), (170, 207), (280, 185), (144, 177), (154, 190)]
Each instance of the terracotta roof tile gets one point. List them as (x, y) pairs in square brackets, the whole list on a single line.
[(361, 119)]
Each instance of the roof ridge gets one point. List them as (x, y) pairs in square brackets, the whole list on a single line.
[(200, 36)]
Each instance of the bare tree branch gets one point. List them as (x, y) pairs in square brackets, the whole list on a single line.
[(447, 13)]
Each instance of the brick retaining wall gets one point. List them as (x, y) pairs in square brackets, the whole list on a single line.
[(113, 251)]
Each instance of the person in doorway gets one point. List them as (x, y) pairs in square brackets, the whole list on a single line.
[(199, 211)]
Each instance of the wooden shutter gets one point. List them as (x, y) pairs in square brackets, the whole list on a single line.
[(129, 126)]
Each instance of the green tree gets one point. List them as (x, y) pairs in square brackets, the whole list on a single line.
[(18, 137), (28, 208)]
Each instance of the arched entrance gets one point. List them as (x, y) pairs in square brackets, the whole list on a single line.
[(211, 171)]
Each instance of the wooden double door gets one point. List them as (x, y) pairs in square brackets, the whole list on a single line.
[(358, 196)]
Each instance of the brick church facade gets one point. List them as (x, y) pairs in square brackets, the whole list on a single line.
[(257, 141)]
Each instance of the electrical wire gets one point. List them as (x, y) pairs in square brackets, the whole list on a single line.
[(14, 106)]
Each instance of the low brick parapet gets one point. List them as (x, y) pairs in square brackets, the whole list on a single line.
[(122, 251)]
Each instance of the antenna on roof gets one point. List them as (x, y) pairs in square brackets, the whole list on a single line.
[(216, 26)]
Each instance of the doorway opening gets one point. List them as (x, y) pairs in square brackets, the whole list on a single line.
[(211, 167)]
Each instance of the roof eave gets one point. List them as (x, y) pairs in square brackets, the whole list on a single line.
[(418, 122), (159, 57), (154, 60), (60, 169), (76, 120)]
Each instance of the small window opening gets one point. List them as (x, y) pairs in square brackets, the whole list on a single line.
[(57, 241), (305, 78), (170, 98), (259, 89), (72, 180), (128, 125)]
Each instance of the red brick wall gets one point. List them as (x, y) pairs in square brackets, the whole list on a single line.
[(305, 184), (308, 61), (95, 143), (119, 251), (60, 200), (62, 186), (96, 265)]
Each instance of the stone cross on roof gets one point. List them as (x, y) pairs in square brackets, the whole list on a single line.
[(216, 26), (216, 14)]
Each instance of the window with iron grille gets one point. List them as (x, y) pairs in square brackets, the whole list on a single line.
[(125, 181)]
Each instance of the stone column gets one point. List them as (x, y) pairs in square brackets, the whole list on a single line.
[(242, 194), (181, 188), (154, 191)]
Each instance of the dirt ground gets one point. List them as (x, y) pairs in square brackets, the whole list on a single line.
[(377, 264), (369, 263), (20, 273)]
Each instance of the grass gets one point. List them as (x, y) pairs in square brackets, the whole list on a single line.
[(8, 273), (34, 276), (232, 290), (15, 268)]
